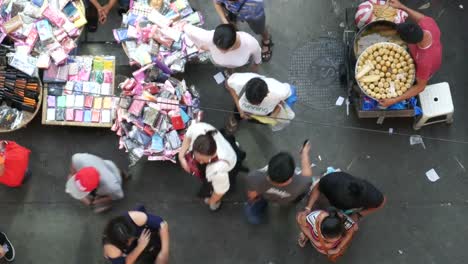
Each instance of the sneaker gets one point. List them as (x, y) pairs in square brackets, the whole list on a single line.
[(10, 255)]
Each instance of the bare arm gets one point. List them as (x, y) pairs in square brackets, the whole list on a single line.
[(220, 11), (276, 112), (305, 161), (413, 91), (183, 150), (235, 98), (252, 195), (163, 256), (313, 197), (345, 241), (413, 14), (371, 210)]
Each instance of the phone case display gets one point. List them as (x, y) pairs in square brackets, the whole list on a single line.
[(43, 32), (80, 92), (153, 33), (153, 115)]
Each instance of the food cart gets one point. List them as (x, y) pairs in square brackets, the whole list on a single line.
[(352, 38)]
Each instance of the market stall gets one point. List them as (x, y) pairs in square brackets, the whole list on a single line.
[(154, 113), (43, 32), (377, 66), (20, 96), (151, 31), (80, 92)]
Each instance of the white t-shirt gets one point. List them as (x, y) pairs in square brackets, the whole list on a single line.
[(249, 48), (216, 172), (277, 92)]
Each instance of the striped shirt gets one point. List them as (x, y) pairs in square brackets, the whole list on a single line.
[(251, 10)]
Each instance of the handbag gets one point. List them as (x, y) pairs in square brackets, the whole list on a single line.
[(231, 16), (196, 168), (332, 257)]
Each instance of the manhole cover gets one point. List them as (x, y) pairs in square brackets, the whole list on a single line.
[(315, 70)]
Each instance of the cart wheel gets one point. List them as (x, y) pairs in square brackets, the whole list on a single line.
[(343, 75)]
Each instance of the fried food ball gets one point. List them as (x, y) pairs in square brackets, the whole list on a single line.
[(380, 85), (383, 96), (377, 96), (387, 63), (384, 68), (399, 93), (388, 74)]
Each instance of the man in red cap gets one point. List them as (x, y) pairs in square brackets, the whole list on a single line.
[(14, 160), (94, 181)]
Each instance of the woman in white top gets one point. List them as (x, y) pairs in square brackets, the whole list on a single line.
[(209, 148), (228, 48)]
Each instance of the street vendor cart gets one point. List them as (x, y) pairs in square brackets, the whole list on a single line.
[(356, 41)]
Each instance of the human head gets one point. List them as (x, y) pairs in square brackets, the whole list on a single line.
[(224, 37), (256, 90), (120, 232), (281, 167), (204, 147), (332, 226), (82, 183), (410, 32)]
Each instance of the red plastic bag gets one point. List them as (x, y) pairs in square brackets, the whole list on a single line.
[(16, 164)]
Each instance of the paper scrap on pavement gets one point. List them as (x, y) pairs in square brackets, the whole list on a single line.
[(219, 77), (340, 101), (417, 139), (432, 175), (320, 158), (390, 130)]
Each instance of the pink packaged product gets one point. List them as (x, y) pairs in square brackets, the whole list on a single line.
[(168, 104), (68, 45), (43, 61), (31, 40), (136, 107), (54, 16), (59, 56), (69, 114)]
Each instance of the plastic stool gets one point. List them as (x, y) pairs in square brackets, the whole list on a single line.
[(436, 104)]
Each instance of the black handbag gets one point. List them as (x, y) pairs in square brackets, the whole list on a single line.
[(232, 17)]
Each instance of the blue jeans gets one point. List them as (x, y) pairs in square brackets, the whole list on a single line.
[(255, 211)]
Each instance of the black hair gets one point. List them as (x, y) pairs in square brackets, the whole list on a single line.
[(205, 144), (332, 226), (119, 231), (281, 167), (256, 90), (410, 32), (224, 36)]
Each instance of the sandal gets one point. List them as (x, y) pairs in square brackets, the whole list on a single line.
[(266, 55), (231, 125), (302, 240)]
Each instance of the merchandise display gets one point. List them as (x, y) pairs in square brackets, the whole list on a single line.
[(43, 32), (153, 115), (151, 32), (385, 70), (19, 95), (80, 92)]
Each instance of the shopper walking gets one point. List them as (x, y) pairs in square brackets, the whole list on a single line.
[(250, 11), (136, 234), (206, 154), (94, 181), (228, 48), (7, 251), (329, 231), (14, 162), (356, 197), (278, 183), (255, 95)]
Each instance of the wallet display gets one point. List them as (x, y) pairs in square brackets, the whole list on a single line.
[(18, 90)]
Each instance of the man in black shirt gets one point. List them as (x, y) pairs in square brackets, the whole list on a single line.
[(353, 195)]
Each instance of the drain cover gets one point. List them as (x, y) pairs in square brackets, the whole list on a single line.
[(315, 70)]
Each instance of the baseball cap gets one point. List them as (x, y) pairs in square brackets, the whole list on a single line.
[(82, 183)]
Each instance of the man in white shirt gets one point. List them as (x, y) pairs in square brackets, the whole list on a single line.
[(255, 94), (228, 48)]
